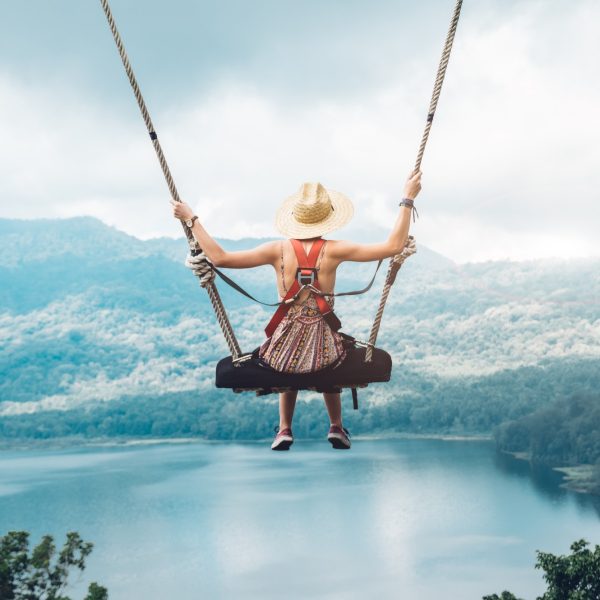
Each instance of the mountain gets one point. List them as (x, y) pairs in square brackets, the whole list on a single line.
[(48, 260), (97, 326)]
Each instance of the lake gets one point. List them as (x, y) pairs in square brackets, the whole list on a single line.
[(393, 518)]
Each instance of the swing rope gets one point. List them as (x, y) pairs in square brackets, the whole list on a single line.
[(397, 261), (203, 268), (205, 274)]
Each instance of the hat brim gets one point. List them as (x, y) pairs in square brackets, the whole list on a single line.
[(286, 223)]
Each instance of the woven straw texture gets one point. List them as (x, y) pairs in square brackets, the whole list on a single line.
[(313, 211)]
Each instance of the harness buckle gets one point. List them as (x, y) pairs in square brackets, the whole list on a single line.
[(307, 275)]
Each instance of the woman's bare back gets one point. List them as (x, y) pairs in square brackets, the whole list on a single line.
[(288, 265)]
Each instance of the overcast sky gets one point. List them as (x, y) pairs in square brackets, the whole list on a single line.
[(250, 99)]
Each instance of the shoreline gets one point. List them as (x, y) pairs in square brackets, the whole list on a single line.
[(577, 478), (71, 443), (447, 437)]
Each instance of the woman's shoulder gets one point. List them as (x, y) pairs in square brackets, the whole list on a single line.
[(336, 248)]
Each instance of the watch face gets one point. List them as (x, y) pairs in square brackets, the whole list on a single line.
[(188, 222)]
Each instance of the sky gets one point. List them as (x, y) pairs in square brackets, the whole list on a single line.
[(250, 99)]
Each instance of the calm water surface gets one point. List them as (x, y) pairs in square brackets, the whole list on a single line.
[(407, 518)]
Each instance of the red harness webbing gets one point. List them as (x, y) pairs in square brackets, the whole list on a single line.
[(307, 272)]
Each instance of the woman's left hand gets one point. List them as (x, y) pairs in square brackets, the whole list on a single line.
[(181, 210)]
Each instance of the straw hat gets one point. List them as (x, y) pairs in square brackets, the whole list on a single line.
[(313, 211)]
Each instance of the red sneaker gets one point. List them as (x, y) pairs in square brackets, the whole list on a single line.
[(339, 438), (283, 440)]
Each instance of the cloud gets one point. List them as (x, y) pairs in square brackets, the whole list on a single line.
[(511, 169)]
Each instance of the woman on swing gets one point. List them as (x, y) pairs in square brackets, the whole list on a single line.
[(301, 340)]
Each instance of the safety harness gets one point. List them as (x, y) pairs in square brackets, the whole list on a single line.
[(306, 278)]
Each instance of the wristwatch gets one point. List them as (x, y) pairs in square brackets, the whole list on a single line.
[(190, 222)]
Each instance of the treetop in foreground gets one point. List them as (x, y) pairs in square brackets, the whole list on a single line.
[(574, 576), (43, 573)]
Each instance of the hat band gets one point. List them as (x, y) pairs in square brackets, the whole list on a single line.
[(315, 213)]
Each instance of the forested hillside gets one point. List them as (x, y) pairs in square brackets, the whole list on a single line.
[(565, 432), (105, 334)]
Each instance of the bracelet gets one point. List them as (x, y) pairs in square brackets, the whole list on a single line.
[(408, 202)]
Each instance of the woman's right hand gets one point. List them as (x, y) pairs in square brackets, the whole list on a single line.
[(181, 210), (412, 187)]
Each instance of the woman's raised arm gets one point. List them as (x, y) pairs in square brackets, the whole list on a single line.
[(265, 254), (345, 250)]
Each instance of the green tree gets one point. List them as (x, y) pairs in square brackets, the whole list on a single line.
[(43, 573), (575, 576), (96, 592), (572, 577)]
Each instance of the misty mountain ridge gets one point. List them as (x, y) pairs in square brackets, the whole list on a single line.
[(90, 315), (83, 236)]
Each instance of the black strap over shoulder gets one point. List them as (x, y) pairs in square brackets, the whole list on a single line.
[(238, 288)]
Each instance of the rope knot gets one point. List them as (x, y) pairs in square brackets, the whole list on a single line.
[(201, 267), (409, 249)]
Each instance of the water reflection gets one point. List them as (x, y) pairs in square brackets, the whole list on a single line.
[(430, 518), (545, 481)]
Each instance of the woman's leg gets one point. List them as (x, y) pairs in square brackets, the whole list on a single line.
[(287, 403), (338, 436), (333, 403)]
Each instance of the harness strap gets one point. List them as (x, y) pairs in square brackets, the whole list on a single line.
[(282, 310), (307, 267), (307, 261), (310, 262), (238, 288)]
